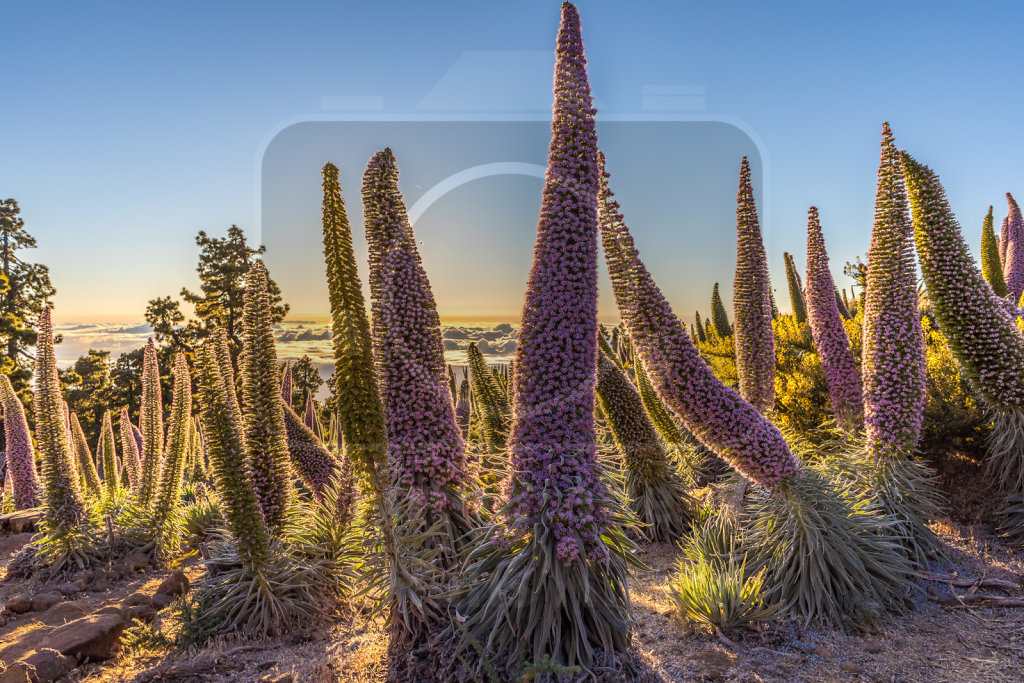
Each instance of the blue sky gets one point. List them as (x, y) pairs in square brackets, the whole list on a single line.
[(128, 126)]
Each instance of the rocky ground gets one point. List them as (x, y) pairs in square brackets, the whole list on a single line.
[(966, 624)]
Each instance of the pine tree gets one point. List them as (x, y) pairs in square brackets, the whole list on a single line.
[(26, 289)]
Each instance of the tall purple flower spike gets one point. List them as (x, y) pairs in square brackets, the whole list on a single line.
[(893, 357), (841, 373), (21, 457), (732, 428), (266, 440), (1004, 236), (553, 463), (752, 304), (151, 419), (424, 442), (65, 506), (1013, 262)]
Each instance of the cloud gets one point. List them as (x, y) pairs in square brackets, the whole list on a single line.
[(303, 334)]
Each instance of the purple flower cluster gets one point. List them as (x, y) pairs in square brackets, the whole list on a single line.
[(554, 478), (893, 356), (314, 464), (751, 303), (151, 419), (991, 261), (266, 441), (309, 415), (841, 374), (130, 450), (980, 331), (21, 457), (425, 446), (1013, 259), (64, 504), (714, 413)]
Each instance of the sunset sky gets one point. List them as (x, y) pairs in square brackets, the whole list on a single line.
[(130, 127)]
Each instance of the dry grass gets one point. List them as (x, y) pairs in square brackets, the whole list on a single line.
[(934, 642)]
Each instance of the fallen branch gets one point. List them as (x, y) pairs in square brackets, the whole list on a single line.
[(981, 599), (952, 580)]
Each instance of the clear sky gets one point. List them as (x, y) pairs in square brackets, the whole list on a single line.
[(128, 127)]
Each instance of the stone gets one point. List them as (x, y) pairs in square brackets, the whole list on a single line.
[(175, 584), (18, 604), (94, 637), (138, 561), (69, 588), (84, 576), (138, 598), (19, 672), (161, 600), (69, 611), (45, 601), (48, 664), (12, 544), (21, 521)]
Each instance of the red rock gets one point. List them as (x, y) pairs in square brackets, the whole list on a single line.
[(49, 665), (94, 637), (18, 604), (12, 544), (45, 601), (175, 584)]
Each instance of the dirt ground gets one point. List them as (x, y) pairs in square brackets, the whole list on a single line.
[(944, 637)]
